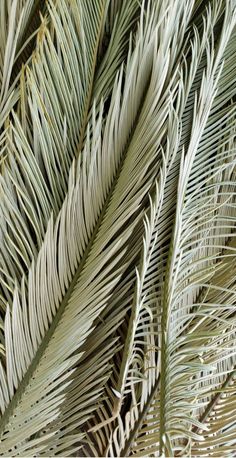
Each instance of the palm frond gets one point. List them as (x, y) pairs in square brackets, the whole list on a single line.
[(61, 131), (123, 437), (179, 262), (117, 208), (81, 262), (15, 36)]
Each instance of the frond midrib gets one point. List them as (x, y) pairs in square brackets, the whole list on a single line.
[(211, 405), (91, 84)]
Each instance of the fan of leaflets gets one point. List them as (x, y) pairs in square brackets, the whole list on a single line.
[(118, 220)]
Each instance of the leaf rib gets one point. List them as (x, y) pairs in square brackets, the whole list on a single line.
[(210, 406), (90, 89)]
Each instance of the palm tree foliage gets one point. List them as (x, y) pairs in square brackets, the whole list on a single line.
[(117, 297)]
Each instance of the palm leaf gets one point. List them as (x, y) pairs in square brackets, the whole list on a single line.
[(132, 429), (76, 261), (117, 327), (64, 131), (15, 38)]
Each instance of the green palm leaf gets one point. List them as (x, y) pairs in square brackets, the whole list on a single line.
[(62, 130), (19, 23), (77, 255), (117, 207)]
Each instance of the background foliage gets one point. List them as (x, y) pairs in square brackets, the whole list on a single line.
[(117, 207)]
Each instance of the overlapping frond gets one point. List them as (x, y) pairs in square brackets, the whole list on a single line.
[(141, 345), (143, 422), (190, 267), (72, 262), (56, 103), (15, 34), (117, 326)]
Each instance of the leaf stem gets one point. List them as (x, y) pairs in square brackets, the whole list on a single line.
[(210, 406), (90, 89)]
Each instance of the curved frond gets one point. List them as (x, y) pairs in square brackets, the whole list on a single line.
[(117, 208), (62, 129), (71, 263), (15, 35)]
